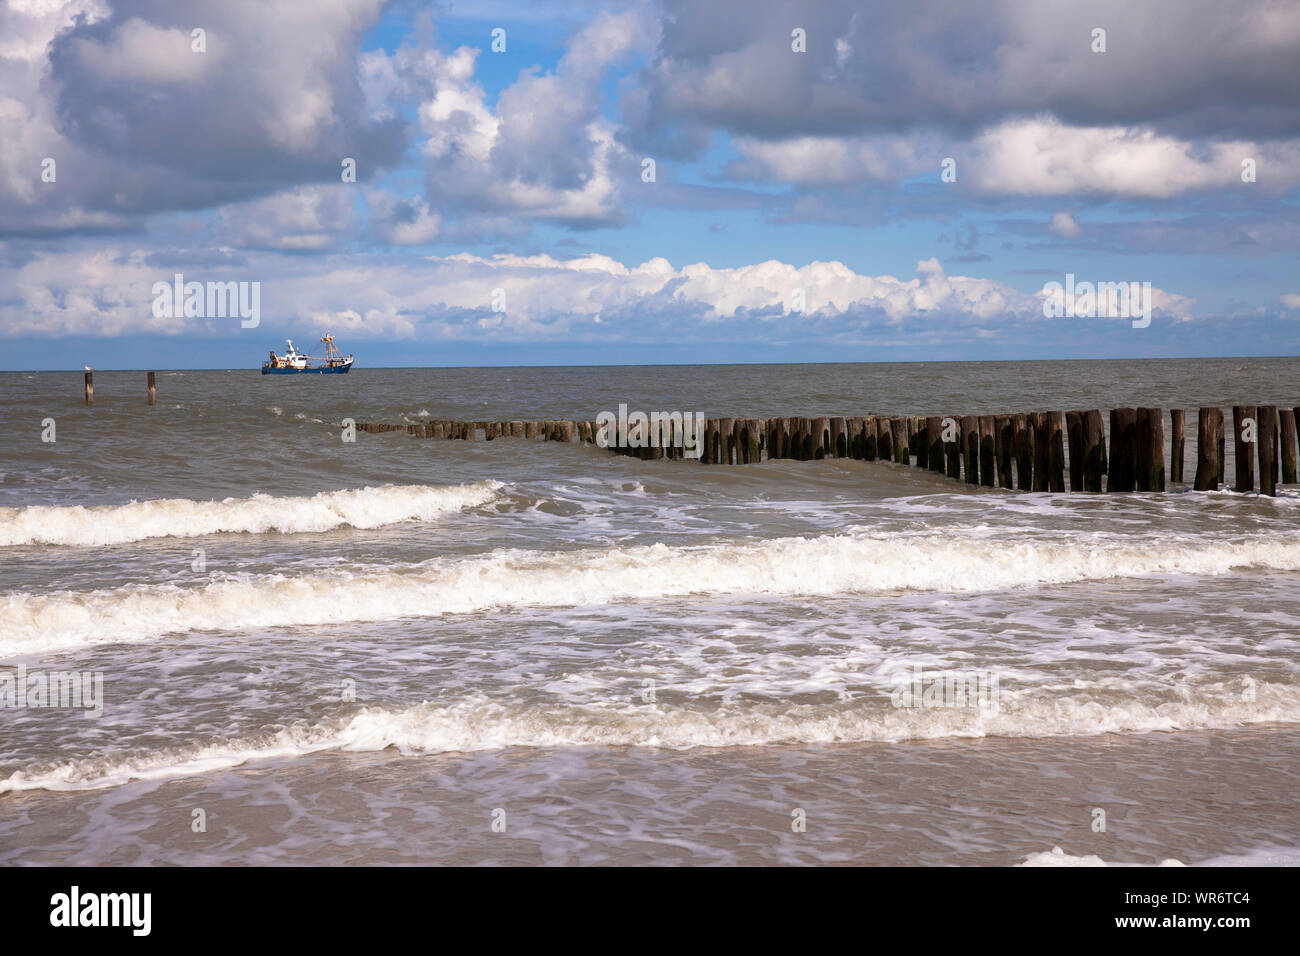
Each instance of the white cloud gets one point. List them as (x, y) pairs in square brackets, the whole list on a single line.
[(1044, 157), (1063, 225), (547, 299), (310, 218), (543, 151)]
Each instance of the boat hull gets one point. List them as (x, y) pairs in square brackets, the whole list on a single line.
[(322, 370)]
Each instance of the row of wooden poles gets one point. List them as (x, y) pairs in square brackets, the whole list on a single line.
[(90, 388), (1024, 451)]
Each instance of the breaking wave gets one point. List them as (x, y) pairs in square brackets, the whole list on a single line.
[(369, 507)]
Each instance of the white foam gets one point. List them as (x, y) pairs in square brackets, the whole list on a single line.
[(369, 507), (828, 565), (479, 723), (1058, 857)]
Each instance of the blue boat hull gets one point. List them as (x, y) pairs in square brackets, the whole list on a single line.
[(323, 370)]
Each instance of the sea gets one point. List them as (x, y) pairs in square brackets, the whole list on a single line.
[(296, 649)]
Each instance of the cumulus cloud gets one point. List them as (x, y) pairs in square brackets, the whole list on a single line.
[(139, 123), (544, 151), (1187, 68), (546, 299), (1043, 157)]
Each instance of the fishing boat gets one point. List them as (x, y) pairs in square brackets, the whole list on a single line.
[(293, 362)]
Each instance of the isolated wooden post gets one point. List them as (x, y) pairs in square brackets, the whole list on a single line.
[(970, 448), (1287, 437), (90, 388), (1177, 444), (153, 390), (1151, 449), (1266, 442), (1209, 449), (988, 453), (1241, 414)]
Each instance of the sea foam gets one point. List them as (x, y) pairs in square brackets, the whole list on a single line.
[(369, 507)]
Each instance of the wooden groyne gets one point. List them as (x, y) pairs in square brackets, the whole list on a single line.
[(1031, 451)]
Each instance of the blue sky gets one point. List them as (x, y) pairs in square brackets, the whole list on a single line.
[(781, 175)]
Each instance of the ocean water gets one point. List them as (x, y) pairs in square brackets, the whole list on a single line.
[(422, 651)]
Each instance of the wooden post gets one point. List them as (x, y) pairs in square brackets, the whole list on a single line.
[(818, 429), (921, 442), (839, 438), (1209, 449), (1266, 442), (884, 440), (934, 443), (1074, 439), (1151, 449), (898, 431), (90, 388), (988, 452), (1093, 450), (153, 390), (1287, 436), (1042, 450), (1055, 452), (954, 451), (1003, 442), (1242, 451), (754, 440), (1123, 450), (970, 446), (726, 440), (853, 437), (1022, 446), (1177, 444)]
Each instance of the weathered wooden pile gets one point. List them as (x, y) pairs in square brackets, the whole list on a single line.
[(1033, 451)]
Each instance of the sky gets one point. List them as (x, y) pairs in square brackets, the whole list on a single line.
[(646, 182)]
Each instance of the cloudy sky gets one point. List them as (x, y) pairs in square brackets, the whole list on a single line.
[(702, 181)]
